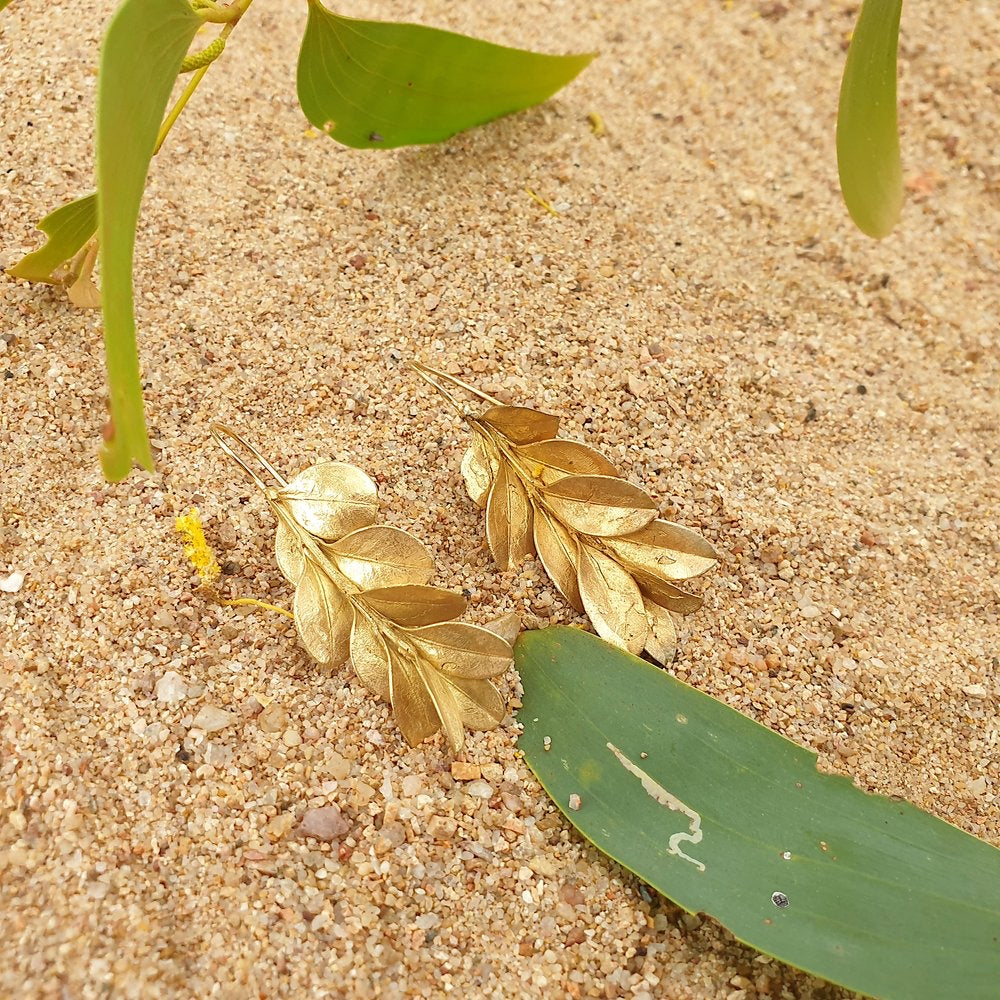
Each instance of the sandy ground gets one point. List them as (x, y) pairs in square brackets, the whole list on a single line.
[(822, 407)]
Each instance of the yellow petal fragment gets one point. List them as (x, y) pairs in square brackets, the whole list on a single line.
[(550, 461), (323, 616), (508, 520), (661, 643), (331, 499), (557, 550), (412, 606), (612, 600), (521, 425), (381, 556), (599, 505), (370, 657), (196, 548)]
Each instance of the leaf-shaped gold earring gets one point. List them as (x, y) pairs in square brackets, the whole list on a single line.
[(361, 592), (598, 536)]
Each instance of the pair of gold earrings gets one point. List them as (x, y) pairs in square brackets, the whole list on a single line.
[(361, 589)]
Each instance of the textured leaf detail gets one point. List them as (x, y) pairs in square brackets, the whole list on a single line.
[(553, 460), (288, 552), (409, 693), (461, 650), (67, 229), (600, 505), (665, 550), (331, 499), (612, 600), (412, 606), (521, 425), (377, 84), (667, 594), (323, 617), (508, 520), (370, 656), (380, 556), (661, 642), (478, 471), (557, 549)]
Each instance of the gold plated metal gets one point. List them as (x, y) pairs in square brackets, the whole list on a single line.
[(597, 535), (361, 593)]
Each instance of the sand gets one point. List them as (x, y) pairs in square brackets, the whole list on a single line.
[(822, 407)]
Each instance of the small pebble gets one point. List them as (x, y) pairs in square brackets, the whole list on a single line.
[(480, 789), (274, 719), (212, 719), (574, 801), (13, 583), (171, 688), (291, 738), (463, 771), (326, 823)]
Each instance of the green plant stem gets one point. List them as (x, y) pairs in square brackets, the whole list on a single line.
[(215, 14), (186, 94)]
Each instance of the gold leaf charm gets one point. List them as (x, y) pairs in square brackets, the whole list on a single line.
[(361, 592), (597, 536)]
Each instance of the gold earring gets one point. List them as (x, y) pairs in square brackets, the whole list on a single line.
[(598, 537), (361, 593)]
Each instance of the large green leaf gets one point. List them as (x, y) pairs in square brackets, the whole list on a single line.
[(141, 56), (871, 174), (68, 228), (721, 815), (376, 84)]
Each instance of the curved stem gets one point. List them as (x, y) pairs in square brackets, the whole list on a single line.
[(234, 12)]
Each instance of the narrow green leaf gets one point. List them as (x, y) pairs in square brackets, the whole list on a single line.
[(871, 174), (141, 56), (377, 84), (68, 228), (3, 3), (728, 818)]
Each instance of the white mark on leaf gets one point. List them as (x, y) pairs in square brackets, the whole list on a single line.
[(658, 793)]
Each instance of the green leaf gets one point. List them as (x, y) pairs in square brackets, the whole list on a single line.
[(68, 228), (871, 174), (377, 84), (720, 814), (141, 56), (3, 3)]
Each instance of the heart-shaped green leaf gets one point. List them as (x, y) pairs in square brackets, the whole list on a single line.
[(871, 174), (728, 818), (68, 228), (145, 44), (378, 84)]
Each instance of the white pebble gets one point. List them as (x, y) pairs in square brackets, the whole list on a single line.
[(171, 687), (13, 583), (211, 719), (480, 789)]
